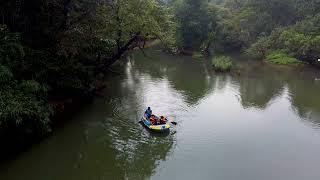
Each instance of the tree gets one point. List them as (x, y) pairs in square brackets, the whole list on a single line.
[(118, 24), (23, 103), (195, 21)]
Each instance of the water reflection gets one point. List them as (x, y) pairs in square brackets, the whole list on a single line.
[(258, 85), (305, 97), (189, 77)]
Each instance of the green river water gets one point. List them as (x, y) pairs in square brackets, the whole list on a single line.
[(263, 124)]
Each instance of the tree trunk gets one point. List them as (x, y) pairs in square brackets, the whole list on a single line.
[(110, 61)]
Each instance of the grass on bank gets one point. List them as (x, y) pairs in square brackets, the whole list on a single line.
[(277, 57), (197, 55), (222, 63)]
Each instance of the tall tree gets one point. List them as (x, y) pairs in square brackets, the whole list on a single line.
[(195, 22), (119, 25)]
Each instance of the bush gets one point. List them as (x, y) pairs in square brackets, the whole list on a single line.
[(24, 109), (23, 104), (222, 63), (301, 45), (260, 48), (278, 57), (300, 41)]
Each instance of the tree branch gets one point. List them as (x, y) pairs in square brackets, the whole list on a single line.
[(109, 61)]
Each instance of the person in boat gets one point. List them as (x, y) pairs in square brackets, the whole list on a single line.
[(153, 120), (148, 112), (158, 121), (163, 120)]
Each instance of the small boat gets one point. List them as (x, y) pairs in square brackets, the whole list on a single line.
[(157, 128)]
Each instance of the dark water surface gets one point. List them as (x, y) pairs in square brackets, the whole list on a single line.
[(261, 125)]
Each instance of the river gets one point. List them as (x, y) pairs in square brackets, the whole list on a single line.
[(261, 124)]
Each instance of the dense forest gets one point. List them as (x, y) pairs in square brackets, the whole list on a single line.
[(56, 50), (257, 27)]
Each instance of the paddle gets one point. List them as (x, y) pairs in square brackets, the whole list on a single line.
[(174, 123)]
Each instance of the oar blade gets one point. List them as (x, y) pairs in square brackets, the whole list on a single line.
[(174, 123)]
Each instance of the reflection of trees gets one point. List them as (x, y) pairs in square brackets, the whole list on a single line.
[(185, 74), (305, 96), (258, 85)]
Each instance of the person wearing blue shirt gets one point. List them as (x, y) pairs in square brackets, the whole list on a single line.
[(148, 112)]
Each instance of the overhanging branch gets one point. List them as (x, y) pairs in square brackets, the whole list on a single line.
[(109, 61)]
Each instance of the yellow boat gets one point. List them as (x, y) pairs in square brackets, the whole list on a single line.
[(156, 128)]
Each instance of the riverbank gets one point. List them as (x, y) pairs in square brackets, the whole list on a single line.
[(65, 108), (68, 107)]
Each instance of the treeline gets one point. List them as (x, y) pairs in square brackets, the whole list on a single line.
[(257, 27), (56, 50), (288, 26)]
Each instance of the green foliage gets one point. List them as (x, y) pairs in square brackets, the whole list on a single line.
[(195, 19), (260, 48), (278, 57), (300, 40), (228, 34), (5, 75), (207, 43), (70, 74), (235, 5), (300, 44), (110, 25), (23, 104), (222, 63), (280, 12), (10, 46), (256, 23)]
